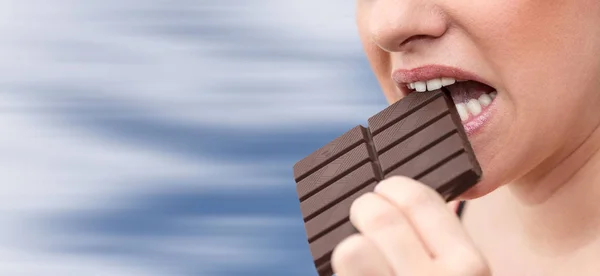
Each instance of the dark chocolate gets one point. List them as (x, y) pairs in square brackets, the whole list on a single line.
[(420, 136)]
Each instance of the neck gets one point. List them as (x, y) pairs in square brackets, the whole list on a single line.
[(557, 204)]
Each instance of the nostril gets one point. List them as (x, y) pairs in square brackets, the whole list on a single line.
[(409, 40)]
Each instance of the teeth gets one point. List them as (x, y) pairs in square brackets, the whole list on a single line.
[(420, 86), (474, 107), (430, 85), (462, 111), (493, 94), (434, 84), (448, 81), (485, 100)]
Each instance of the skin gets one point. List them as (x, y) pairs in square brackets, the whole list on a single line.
[(538, 151)]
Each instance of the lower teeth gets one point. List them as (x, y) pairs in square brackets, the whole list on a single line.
[(473, 107)]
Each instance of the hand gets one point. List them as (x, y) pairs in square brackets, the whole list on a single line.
[(406, 229)]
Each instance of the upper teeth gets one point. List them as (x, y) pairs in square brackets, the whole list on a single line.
[(430, 85)]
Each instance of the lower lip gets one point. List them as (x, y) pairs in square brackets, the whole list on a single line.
[(475, 124)]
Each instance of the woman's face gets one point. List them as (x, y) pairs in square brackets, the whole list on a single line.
[(542, 57)]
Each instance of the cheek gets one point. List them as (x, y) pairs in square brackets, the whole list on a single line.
[(540, 49), (379, 60), (541, 55)]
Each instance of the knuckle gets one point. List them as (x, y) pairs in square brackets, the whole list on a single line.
[(348, 252), (396, 178), (407, 192), (371, 212), (393, 183), (356, 255), (468, 263), (359, 208), (415, 195), (476, 268), (383, 217), (361, 203)]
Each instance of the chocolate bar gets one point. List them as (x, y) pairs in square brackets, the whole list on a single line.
[(420, 136)]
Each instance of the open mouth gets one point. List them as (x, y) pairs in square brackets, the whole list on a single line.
[(472, 99)]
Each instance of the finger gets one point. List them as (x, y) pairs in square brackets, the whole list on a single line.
[(453, 205), (463, 263), (438, 227), (391, 232), (358, 256)]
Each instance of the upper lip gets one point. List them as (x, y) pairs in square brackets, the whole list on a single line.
[(402, 77)]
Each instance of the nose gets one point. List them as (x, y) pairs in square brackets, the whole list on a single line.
[(399, 25)]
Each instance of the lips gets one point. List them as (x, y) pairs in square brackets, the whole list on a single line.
[(403, 77), (472, 96)]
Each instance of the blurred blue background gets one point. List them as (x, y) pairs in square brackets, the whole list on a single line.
[(149, 137)]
